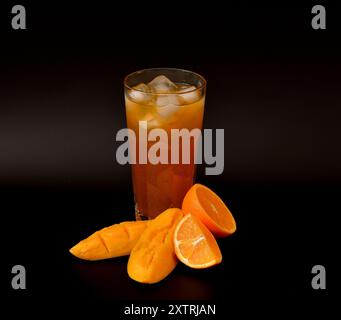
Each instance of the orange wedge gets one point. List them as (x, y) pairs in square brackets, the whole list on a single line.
[(203, 203), (194, 244)]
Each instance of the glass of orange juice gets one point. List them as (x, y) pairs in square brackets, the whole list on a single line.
[(163, 98)]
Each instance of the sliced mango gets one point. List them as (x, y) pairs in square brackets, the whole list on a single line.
[(114, 241), (153, 257)]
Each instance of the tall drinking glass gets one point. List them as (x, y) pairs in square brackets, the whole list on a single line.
[(162, 98)]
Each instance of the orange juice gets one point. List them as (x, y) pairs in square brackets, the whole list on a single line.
[(166, 105)]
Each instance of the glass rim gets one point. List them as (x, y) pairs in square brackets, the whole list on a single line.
[(201, 87)]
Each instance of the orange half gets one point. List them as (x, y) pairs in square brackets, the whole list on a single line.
[(203, 203), (194, 244)]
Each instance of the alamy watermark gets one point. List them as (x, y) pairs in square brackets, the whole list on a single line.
[(182, 146), (19, 19), (319, 20), (19, 278), (318, 281)]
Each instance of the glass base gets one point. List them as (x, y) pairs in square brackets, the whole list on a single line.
[(139, 216)]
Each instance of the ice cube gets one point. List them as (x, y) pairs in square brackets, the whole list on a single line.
[(154, 124), (140, 93), (147, 117), (151, 120), (186, 87), (189, 94), (142, 87), (168, 110), (167, 105), (161, 84)]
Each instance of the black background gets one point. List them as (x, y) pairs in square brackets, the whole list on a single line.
[(273, 85)]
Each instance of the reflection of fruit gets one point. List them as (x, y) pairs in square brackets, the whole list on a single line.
[(210, 209), (195, 245), (114, 241), (153, 257)]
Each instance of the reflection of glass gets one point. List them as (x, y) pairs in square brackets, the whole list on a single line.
[(167, 99)]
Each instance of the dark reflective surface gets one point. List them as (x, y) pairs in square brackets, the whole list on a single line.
[(282, 233)]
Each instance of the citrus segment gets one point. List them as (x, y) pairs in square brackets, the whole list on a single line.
[(206, 205), (195, 245)]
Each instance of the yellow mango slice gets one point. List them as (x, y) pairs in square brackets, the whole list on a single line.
[(114, 241), (153, 257)]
